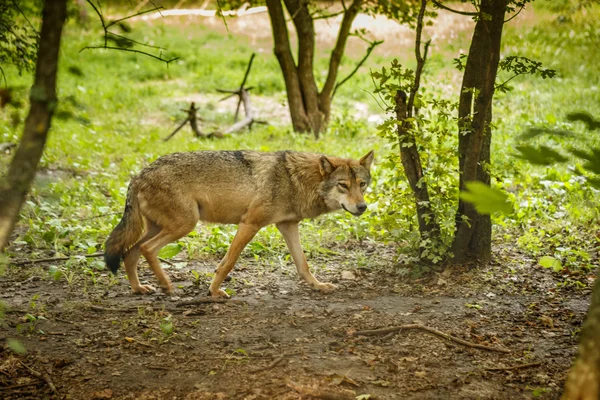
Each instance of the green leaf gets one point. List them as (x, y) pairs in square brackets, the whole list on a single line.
[(551, 262), (15, 346), (363, 397), (543, 155), (487, 200), (170, 250)]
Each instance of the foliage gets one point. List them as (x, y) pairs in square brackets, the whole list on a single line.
[(18, 37), (116, 113)]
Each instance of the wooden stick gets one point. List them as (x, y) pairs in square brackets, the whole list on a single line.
[(65, 258), (208, 300), (273, 364), (529, 365), (2, 388), (321, 393), (50, 259), (385, 331), (42, 376)]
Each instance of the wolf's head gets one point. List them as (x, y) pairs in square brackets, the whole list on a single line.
[(345, 182)]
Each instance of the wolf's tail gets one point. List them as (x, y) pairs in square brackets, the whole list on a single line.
[(126, 234)]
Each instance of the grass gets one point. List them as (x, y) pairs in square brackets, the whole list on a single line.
[(113, 116)]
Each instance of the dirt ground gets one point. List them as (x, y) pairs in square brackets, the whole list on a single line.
[(277, 339)]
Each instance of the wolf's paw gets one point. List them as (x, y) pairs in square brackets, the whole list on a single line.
[(143, 289), (168, 289), (219, 293), (325, 287)]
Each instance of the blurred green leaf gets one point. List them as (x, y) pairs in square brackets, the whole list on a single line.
[(487, 200), (170, 250), (15, 346), (542, 155)]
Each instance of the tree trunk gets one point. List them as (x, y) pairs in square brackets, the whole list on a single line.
[(583, 382), (473, 233), (309, 108), (16, 184), (411, 161)]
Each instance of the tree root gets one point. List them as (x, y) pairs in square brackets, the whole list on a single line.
[(394, 329)]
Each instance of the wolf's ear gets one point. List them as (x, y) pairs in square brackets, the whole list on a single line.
[(367, 159), (325, 166)]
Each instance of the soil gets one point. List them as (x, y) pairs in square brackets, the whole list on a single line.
[(277, 339)]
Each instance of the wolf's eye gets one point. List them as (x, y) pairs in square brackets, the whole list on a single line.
[(363, 184), (343, 185)]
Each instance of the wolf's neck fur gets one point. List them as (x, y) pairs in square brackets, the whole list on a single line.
[(307, 180)]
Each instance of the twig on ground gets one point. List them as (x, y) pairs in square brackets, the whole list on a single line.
[(108, 309), (192, 118), (65, 258), (529, 365), (208, 300), (321, 393), (42, 376), (158, 367), (50, 259), (273, 364), (386, 331), (2, 388)]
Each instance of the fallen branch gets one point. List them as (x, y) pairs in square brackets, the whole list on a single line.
[(65, 258), (192, 118), (41, 376), (385, 331), (108, 309), (244, 98), (321, 393), (3, 388), (529, 365), (208, 300), (273, 364)]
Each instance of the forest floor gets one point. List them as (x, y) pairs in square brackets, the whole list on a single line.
[(277, 339)]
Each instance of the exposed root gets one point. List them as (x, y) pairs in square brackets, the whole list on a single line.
[(394, 329)]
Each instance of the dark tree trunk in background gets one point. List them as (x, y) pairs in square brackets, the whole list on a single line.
[(473, 231), (583, 382), (16, 184), (309, 108)]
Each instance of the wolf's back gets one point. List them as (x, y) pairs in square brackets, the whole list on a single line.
[(126, 234)]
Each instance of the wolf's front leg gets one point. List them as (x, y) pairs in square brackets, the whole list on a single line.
[(243, 236), (290, 233)]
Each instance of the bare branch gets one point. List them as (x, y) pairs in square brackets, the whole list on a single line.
[(420, 59), (443, 7), (136, 42), (133, 15), (360, 63), (517, 13), (131, 51)]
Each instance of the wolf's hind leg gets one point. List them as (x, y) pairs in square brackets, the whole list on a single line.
[(150, 249), (132, 257), (243, 236), (290, 233)]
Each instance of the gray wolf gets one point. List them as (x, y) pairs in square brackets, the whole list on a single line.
[(248, 188)]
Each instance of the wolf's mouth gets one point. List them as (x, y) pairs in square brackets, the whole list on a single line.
[(356, 214)]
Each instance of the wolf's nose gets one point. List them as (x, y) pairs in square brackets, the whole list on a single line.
[(361, 207)]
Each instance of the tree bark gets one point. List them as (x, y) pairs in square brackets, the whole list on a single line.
[(16, 184), (283, 53), (411, 161), (583, 382), (475, 108)]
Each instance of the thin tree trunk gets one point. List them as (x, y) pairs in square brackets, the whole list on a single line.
[(16, 184), (411, 161), (326, 94), (282, 51), (583, 382), (305, 29), (474, 113)]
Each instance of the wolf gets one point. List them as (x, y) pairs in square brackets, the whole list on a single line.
[(250, 189)]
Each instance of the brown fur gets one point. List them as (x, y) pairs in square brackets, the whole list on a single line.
[(247, 188)]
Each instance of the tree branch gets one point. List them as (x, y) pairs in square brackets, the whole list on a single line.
[(338, 50), (420, 59), (131, 51), (360, 63), (467, 13)]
